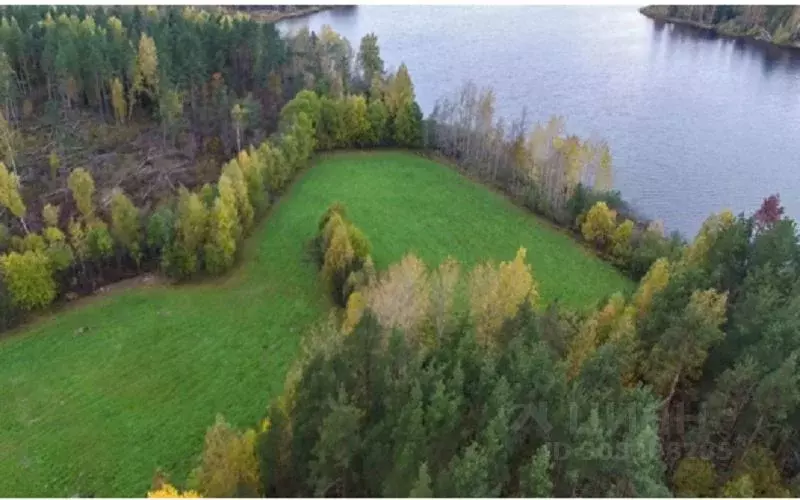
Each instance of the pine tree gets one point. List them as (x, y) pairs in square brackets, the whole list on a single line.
[(682, 349), (422, 486), (369, 58), (534, 477)]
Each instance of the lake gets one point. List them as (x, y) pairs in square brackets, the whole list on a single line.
[(696, 123)]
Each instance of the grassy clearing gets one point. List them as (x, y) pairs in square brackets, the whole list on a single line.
[(93, 399), (408, 203)]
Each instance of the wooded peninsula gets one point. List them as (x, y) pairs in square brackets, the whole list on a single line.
[(776, 24)]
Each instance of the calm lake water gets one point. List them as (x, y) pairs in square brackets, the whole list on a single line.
[(696, 123)]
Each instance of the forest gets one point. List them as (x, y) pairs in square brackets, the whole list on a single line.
[(778, 24), (155, 139)]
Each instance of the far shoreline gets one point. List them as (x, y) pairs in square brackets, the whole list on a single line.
[(272, 16), (653, 14)]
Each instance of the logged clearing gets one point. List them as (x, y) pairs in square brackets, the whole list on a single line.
[(95, 398)]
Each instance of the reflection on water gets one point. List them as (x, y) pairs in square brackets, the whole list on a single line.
[(696, 122), (770, 56)]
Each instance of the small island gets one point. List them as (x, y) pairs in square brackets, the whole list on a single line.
[(775, 24)]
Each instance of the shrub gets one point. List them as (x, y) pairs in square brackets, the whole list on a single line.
[(29, 279), (342, 250), (599, 224), (50, 215), (58, 252), (583, 199), (621, 243), (31, 242), (99, 241)]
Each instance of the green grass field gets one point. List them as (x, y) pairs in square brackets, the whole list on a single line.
[(95, 398)]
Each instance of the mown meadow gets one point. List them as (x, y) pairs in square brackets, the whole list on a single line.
[(97, 397)]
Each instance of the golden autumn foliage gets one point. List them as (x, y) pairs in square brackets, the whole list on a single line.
[(168, 491), (50, 215), (401, 297), (145, 73), (399, 90), (496, 294), (344, 254), (355, 120), (599, 224), (53, 235), (190, 229), (223, 223), (244, 208), (710, 229), (253, 166), (339, 253), (276, 171), (228, 466), (29, 279), (621, 241), (78, 239), (81, 184), (118, 101), (613, 320), (355, 309), (9, 192), (613, 323), (653, 282)]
